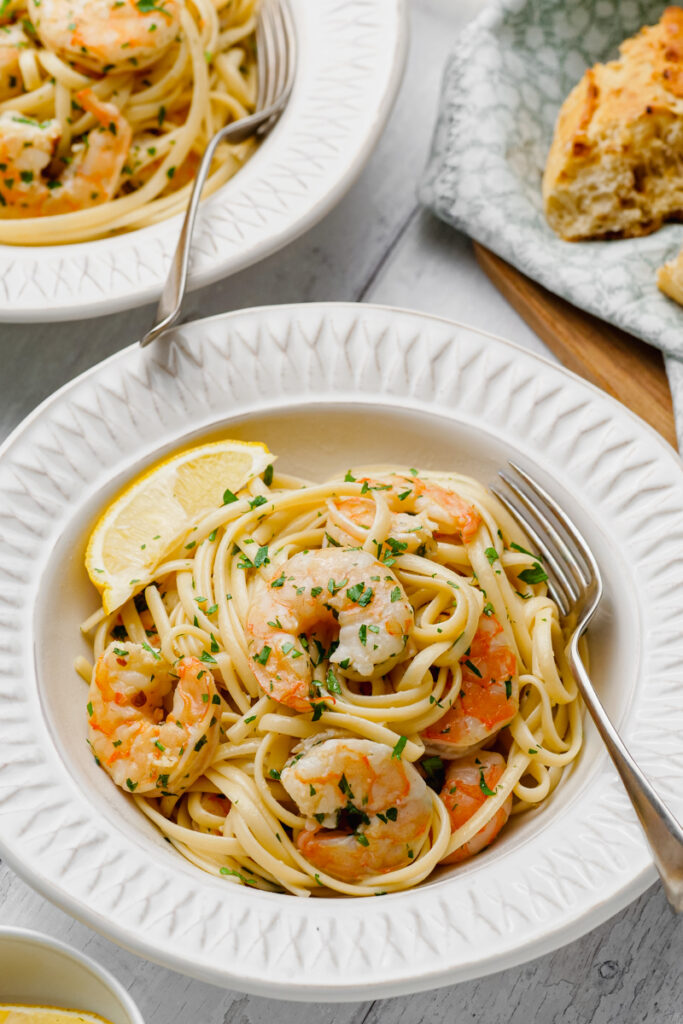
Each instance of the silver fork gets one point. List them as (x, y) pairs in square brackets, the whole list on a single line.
[(276, 49), (575, 584)]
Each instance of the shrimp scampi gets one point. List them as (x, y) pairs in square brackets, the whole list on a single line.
[(469, 783), (106, 35), (411, 510), (487, 698), (331, 688), (13, 40), (28, 151), (331, 604), (368, 812), (144, 747)]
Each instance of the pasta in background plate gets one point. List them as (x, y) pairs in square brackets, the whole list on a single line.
[(106, 107), (337, 687)]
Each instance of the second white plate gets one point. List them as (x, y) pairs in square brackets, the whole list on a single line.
[(350, 59)]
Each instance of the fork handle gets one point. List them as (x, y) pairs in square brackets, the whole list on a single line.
[(172, 295), (663, 832)]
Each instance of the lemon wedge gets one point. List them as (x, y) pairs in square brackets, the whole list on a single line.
[(153, 514)]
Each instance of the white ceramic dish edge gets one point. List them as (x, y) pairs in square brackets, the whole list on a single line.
[(342, 98), (43, 985)]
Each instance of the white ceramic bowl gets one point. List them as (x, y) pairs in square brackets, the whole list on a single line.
[(39, 971), (350, 60), (328, 386)]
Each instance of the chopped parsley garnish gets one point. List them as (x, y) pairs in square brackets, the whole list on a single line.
[(132, 786), (263, 655), (279, 582), (396, 594), (473, 668), (317, 711), (206, 657), (258, 501), (229, 497), (434, 772), (261, 557), (268, 475), (492, 555), (332, 682), (345, 787), (482, 784), (535, 575), (400, 744), (239, 875)]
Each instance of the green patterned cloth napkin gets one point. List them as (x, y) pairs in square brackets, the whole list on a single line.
[(504, 84)]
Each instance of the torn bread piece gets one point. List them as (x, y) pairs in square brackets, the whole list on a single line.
[(615, 167)]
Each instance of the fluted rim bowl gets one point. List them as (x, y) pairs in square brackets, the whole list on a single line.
[(350, 58), (326, 387), (38, 970)]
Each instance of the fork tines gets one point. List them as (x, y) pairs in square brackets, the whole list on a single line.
[(570, 565)]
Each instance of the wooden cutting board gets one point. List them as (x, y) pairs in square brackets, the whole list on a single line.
[(617, 362)]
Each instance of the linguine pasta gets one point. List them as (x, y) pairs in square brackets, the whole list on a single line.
[(170, 100), (238, 819)]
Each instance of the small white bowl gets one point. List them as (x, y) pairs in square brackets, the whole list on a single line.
[(40, 971)]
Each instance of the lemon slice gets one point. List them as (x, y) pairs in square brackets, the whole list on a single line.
[(153, 514), (15, 1014)]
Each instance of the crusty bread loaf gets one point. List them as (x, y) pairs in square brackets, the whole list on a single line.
[(615, 168)]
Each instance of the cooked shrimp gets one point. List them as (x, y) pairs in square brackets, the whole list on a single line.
[(349, 520), (92, 177), (469, 782), (419, 509), (12, 41), (488, 699), (143, 748), (345, 603), (106, 35), (369, 812)]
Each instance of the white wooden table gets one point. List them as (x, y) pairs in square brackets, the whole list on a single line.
[(377, 246)]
